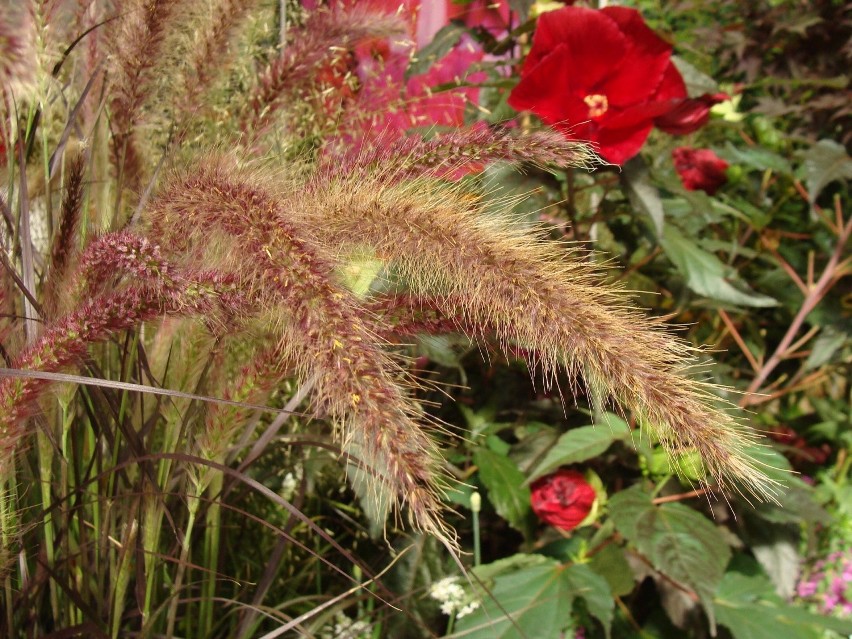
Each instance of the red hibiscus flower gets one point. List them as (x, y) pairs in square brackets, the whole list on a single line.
[(700, 169), (562, 499), (604, 76)]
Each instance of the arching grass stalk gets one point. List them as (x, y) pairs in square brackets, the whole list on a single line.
[(475, 508)]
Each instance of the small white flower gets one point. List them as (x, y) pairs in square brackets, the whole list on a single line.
[(453, 598), (347, 628), (288, 486)]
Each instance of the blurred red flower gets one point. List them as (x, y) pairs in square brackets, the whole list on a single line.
[(562, 499), (606, 77), (383, 101), (798, 449), (394, 104), (700, 169)]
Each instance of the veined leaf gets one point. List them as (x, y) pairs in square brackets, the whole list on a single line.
[(697, 83), (825, 162), (678, 541), (505, 484), (611, 564), (538, 596), (627, 507), (594, 590), (757, 158), (705, 274), (580, 444), (749, 608)]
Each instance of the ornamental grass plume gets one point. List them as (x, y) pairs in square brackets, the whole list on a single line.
[(219, 208), (137, 52), (105, 309), (65, 249), (497, 277), (17, 54)]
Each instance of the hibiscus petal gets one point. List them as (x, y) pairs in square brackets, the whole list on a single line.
[(700, 169), (563, 499), (619, 145), (646, 59), (593, 45), (638, 114), (672, 86), (547, 91)]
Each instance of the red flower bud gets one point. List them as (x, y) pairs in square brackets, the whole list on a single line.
[(562, 499), (700, 169), (689, 115)]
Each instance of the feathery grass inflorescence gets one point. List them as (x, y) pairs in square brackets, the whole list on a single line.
[(17, 54), (467, 148), (252, 385), (208, 58), (107, 309), (137, 52), (66, 240), (324, 40), (320, 325), (499, 277)]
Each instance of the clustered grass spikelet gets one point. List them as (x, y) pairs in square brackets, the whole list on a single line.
[(497, 278), (137, 46), (464, 149), (109, 304), (229, 214), (64, 250), (17, 53)]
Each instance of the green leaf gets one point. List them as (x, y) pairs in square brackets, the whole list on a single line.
[(697, 83), (506, 489), (359, 269), (513, 563), (580, 444), (705, 274), (825, 162), (679, 542), (644, 196), (824, 347), (773, 464), (749, 608), (781, 561), (459, 493), (629, 506), (443, 349), (684, 545), (536, 439), (533, 597), (592, 588), (757, 158), (538, 596), (796, 504), (611, 564), (441, 45)]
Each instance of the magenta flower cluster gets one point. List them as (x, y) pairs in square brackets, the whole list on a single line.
[(829, 584)]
